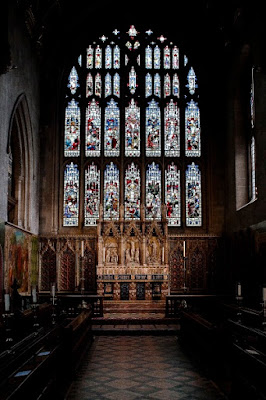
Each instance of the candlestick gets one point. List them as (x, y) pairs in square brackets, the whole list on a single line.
[(34, 295), (184, 248), (103, 254), (53, 290), (264, 294), (239, 292), (7, 302), (82, 248), (163, 255)]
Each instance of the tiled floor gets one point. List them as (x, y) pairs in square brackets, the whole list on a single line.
[(140, 367)]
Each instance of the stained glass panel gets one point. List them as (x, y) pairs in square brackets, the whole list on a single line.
[(167, 59), (132, 80), (171, 130), (111, 191), (167, 85), (172, 195), (175, 85), (108, 57), (191, 78), (148, 85), (157, 57), (132, 192), (92, 195), (108, 85), (98, 57), (72, 129), (98, 85), (193, 195), (89, 88), (93, 129), (90, 57), (116, 57), (157, 85), (153, 130), (116, 85), (148, 57), (71, 195), (153, 191), (112, 130), (132, 130), (192, 134), (73, 81), (175, 57)]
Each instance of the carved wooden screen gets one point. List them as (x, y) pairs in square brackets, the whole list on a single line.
[(197, 269), (89, 271), (176, 269), (68, 270), (48, 274)]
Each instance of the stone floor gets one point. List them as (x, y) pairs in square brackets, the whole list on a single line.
[(140, 367)]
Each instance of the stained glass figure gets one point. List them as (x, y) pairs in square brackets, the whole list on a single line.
[(111, 191), (112, 130), (193, 195), (192, 134), (157, 57), (116, 60), (253, 189), (171, 130), (185, 60), (132, 80), (98, 85), (90, 57), (71, 195), (136, 45), (191, 78), (175, 57), (98, 57), (92, 195), (148, 57), (72, 129), (157, 85), (167, 85), (129, 45), (108, 85), (93, 129), (126, 59), (175, 85), (108, 57), (132, 130), (138, 60), (80, 60), (153, 191), (172, 195), (167, 58), (89, 88), (148, 85), (132, 32), (73, 81), (153, 129), (116, 85), (132, 192), (252, 101)]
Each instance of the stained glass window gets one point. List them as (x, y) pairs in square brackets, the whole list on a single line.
[(93, 129), (167, 59), (148, 57), (175, 85), (191, 78), (153, 191), (167, 85), (172, 195), (132, 130), (90, 57), (73, 81), (192, 133), (71, 195), (132, 192), (108, 57), (171, 130), (253, 188), (116, 85), (98, 85), (111, 191), (175, 57), (157, 57), (112, 130), (132, 80), (98, 57), (72, 129), (153, 129), (193, 196), (89, 89), (148, 85), (157, 85), (108, 85), (92, 195), (116, 57)]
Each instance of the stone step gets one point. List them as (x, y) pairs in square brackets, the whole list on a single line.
[(129, 306)]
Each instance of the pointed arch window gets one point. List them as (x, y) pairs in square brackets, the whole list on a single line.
[(153, 129), (171, 130), (93, 129), (73, 81), (111, 191), (153, 191), (193, 195), (72, 129), (71, 195), (173, 195), (192, 116), (92, 195), (132, 192), (112, 130), (132, 130)]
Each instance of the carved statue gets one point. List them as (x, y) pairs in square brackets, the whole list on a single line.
[(108, 256), (137, 255), (128, 256), (132, 245)]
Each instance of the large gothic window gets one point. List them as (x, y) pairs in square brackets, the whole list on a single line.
[(132, 132)]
